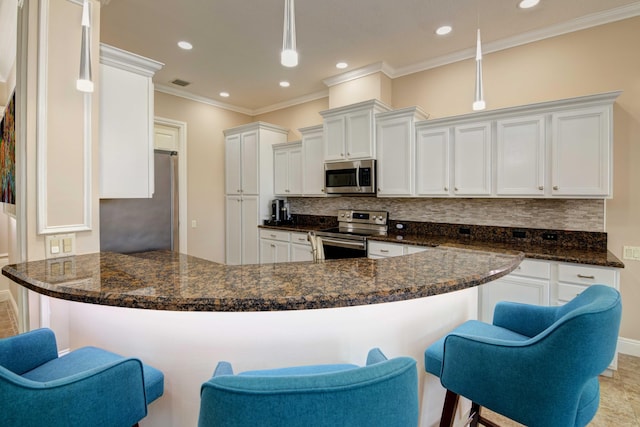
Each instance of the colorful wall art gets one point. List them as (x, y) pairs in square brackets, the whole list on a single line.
[(8, 153)]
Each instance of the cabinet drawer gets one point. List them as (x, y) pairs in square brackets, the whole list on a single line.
[(414, 249), (385, 249), (274, 235), (567, 292), (537, 269), (300, 239), (584, 275)]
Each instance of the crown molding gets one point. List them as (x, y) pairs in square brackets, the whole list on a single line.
[(292, 102), (202, 99), (378, 67), (588, 21)]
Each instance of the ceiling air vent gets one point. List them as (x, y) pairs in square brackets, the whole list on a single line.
[(182, 83)]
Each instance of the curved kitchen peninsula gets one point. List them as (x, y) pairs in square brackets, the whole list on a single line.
[(183, 314)]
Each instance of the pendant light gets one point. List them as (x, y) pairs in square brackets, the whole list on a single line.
[(478, 103), (289, 55), (84, 82)]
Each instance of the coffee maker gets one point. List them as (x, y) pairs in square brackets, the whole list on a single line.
[(278, 211)]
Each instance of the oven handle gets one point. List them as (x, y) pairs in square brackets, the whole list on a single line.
[(343, 243)]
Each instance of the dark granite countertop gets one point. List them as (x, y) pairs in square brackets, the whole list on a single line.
[(571, 246), (163, 280)]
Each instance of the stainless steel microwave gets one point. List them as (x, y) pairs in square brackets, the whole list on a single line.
[(352, 177)]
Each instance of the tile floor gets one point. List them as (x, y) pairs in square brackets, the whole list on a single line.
[(619, 400)]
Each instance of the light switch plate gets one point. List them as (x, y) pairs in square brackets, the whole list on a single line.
[(60, 245), (631, 253)]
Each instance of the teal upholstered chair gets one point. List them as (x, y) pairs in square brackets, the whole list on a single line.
[(87, 387), (383, 393), (536, 365)]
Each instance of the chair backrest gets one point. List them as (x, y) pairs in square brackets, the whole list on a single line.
[(585, 333), (382, 394), (17, 352)]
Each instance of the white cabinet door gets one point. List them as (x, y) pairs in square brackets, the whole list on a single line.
[(280, 171), (249, 162), (273, 251), (394, 138), (360, 140), (334, 138), (472, 159), (313, 171), (126, 139), (233, 237), (432, 162), (295, 171), (250, 236), (232, 153), (521, 156), (301, 252), (512, 288), (581, 152)]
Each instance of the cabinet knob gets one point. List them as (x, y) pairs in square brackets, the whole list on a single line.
[(238, 191), (341, 154), (273, 246), (555, 187), (541, 188), (348, 154), (455, 188), (446, 188), (322, 189), (379, 190)]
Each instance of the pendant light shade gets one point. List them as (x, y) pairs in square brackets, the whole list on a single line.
[(289, 55), (478, 103), (84, 82)]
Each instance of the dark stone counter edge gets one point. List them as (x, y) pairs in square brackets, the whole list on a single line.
[(255, 305), (547, 253)]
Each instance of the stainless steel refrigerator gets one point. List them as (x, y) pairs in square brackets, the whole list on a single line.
[(138, 225)]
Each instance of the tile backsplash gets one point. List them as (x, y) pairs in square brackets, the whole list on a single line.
[(560, 214)]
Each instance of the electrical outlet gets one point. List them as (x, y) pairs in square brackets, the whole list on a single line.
[(59, 245), (631, 253), (549, 236)]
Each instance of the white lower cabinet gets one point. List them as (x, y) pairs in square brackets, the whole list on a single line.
[(274, 246), (242, 233), (300, 248), (528, 284)]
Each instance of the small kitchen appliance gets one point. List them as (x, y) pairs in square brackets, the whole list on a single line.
[(352, 177), (278, 211)]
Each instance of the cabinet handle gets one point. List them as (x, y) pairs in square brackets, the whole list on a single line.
[(273, 235), (541, 188), (300, 239), (582, 276), (555, 187), (384, 251)]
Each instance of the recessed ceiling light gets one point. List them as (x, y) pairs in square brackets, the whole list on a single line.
[(526, 4), (342, 65), (224, 94), (185, 45), (285, 84), (444, 30)]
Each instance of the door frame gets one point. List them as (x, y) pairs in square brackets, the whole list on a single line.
[(181, 127)]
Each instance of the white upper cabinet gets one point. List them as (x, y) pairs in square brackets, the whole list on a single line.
[(287, 169), (581, 148), (520, 147), (552, 149), (432, 161), (395, 139), (349, 132), (126, 124), (313, 161), (472, 159), (241, 162)]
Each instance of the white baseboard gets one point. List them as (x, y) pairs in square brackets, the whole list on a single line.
[(629, 346)]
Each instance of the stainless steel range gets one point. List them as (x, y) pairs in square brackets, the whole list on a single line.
[(349, 239)]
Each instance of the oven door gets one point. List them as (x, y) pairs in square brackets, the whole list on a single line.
[(335, 248)]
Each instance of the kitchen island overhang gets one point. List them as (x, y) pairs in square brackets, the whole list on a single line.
[(183, 314), (164, 280)]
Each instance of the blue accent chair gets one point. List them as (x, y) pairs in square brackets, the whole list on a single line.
[(87, 387), (383, 393), (536, 365)]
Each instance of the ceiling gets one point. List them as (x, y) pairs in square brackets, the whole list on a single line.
[(237, 42)]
